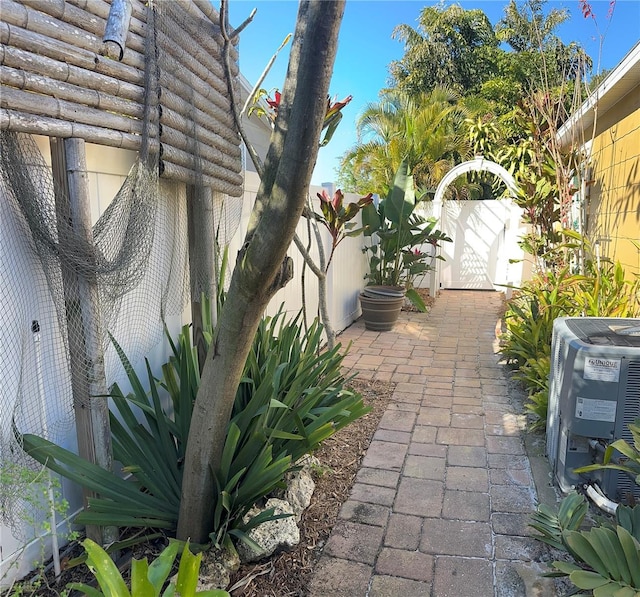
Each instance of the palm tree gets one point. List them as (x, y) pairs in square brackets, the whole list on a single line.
[(450, 46), (426, 130)]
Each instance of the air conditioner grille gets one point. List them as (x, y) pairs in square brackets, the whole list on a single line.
[(631, 398), (626, 485), (555, 389), (603, 332), (558, 359)]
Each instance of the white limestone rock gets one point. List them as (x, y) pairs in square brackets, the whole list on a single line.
[(272, 535), (300, 487), (216, 569)]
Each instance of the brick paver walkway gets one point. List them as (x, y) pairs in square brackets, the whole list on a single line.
[(441, 503)]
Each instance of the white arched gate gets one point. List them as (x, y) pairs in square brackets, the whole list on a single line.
[(484, 233)]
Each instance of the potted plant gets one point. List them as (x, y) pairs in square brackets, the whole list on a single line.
[(397, 258)]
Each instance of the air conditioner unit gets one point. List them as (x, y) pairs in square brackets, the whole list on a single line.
[(594, 393)]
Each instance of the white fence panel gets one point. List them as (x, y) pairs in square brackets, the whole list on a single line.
[(476, 258), (346, 279), (22, 361), (26, 299)]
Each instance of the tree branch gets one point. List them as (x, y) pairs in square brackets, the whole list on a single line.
[(322, 280), (264, 74), (321, 271), (307, 257), (226, 57), (244, 23)]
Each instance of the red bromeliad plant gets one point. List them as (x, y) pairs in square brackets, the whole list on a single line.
[(274, 104), (587, 9), (332, 117), (336, 217)]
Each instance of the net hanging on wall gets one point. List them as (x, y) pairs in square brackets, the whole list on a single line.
[(137, 262)]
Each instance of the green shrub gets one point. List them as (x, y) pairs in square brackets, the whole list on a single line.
[(291, 397), (551, 524), (303, 388), (530, 315), (147, 580), (602, 291)]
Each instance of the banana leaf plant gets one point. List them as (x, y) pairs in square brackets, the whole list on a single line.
[(397, 259)]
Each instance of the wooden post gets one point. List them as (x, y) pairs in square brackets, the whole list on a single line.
[(202, 256), (84, 329)]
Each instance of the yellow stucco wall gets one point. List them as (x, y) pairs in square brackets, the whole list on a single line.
[(614, 196)]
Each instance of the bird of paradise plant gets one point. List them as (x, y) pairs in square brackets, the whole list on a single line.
[(396, 259)]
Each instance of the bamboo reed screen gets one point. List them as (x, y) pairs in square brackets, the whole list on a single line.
[(58, 80)]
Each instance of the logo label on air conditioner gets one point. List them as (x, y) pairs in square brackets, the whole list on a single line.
[(602, 369), (596, 410)]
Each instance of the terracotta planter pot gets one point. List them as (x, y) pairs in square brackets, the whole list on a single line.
[(381, 306)]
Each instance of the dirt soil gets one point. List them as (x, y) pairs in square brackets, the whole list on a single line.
[(288, 574)]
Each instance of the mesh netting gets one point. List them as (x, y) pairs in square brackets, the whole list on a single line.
[(62, 288)]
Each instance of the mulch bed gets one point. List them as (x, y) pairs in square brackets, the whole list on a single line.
[(288, 574)]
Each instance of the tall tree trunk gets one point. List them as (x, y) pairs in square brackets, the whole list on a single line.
[(262, 267)]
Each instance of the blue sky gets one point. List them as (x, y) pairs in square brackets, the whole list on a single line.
[(366, 48)]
